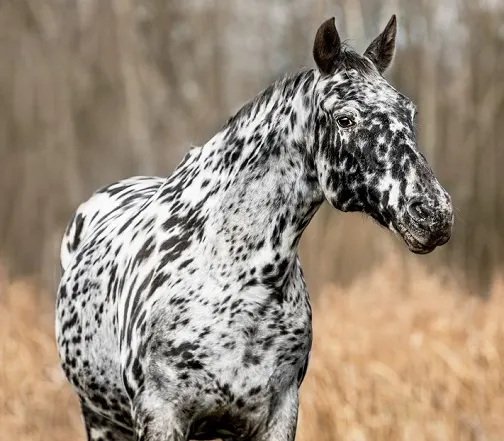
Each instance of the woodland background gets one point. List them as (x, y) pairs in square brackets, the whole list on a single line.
[(91, 91)]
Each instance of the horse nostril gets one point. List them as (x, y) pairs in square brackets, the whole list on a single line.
[(419, 210)]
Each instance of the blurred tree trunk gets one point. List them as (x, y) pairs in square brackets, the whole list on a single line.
[(129, 61), (217, 29), (429, 85), (354, 20)]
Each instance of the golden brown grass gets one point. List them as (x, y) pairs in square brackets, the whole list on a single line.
[(393, 359)]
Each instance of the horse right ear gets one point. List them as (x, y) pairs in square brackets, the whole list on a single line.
[(327, 47)]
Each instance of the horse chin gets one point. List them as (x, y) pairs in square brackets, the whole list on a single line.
[(413, 239), (419, 249)]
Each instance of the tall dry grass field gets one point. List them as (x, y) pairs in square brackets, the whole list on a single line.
[(393, 359)]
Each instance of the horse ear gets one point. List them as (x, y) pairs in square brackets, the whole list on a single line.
[(382, 49), (327, 47)]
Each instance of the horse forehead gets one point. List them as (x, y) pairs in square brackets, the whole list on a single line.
[(374, 93), (390, 104), (383, 96)]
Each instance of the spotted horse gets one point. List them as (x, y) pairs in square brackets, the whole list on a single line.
[(182, 311)]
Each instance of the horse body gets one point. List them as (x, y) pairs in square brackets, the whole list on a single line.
[(192, 284), (182, 311)]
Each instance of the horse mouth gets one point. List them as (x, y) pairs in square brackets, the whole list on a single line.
[(417, 240)]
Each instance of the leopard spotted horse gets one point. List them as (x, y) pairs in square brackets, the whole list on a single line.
[(182, 311)]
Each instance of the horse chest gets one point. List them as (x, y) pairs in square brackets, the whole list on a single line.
[(233, 337)]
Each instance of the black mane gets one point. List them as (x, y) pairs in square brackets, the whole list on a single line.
[(351, 60)]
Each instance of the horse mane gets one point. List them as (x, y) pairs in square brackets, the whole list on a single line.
[(287, 82)]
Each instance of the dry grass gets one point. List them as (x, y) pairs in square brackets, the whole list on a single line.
[(393, 359), (35, 402)]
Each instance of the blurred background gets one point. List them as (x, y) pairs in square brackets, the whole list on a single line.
[(91, 91)]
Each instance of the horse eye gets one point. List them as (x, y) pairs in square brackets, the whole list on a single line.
[(344, 122)]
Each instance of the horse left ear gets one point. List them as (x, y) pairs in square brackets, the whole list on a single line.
[(327, 47), (382, 49)]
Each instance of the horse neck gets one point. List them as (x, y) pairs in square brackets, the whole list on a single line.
[(260, 177)]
